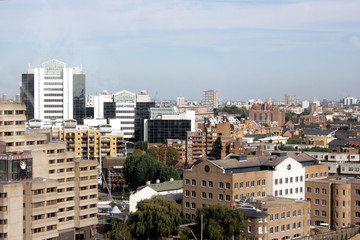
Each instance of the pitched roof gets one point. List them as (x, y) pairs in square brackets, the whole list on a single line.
[(266, 162), (318, 132), (166, 186)]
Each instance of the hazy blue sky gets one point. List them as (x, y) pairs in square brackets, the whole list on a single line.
[(244, 49)]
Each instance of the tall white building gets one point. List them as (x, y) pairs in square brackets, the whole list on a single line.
[(125, 112), (99, 104), (54, 91), (210, 99), (180, 101), (350, 101)]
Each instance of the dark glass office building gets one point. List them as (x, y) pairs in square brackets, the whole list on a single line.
[(27, 94), (79, 92), (160, 130), (109, 110), (142, 111)]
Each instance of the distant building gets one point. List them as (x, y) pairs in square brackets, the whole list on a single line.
[(266, 113), (210, 99), (54, 91), (290, 100), (180, 101), (350, 101), (125, 112)]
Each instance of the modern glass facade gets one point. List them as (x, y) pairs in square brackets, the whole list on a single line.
[(142, 111), (27, 94), (79, 93), (160, 130), (109, 110)]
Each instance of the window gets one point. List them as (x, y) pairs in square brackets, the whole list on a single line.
[(258, 182), (187, 181), (294, 225), (247, 184), (276, 181), (221, 185), (299, 212), (317, 190), (276, 216), (288, 227), (299, 224), (282, 228), (294, 213), (280, 181), (203, 195), (263, 182), (227, 185), (221, 197), (296, 179), (187, 193), (357, 214), (193, 194), (276, 193), (323, 202), (193, 205), (357, 203), (271, 230), (316, 212), (210, 196), (210, 184), (203, 183), (291, 179), (193, 182), (227, 197), (249, 229), (252, 183), (241, 185), (283, 215), (317, 201), (288, 214), (276, 229), (187, 204), (286, 180), (236, 186), (323, 213)]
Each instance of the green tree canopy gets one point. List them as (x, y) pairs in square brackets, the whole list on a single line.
[(234, 110), (120, 231), (155, 218), (220, 222), (154, 152), (141, 145), (141, 168)]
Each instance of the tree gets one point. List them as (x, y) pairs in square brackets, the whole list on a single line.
[(156, 217), (153, 151), (220, 221), (234, 110), (141, 145), (137, 151), (170, 153), (120, 231), (141, 168)]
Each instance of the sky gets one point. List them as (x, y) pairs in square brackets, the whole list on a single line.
[(244, 49)]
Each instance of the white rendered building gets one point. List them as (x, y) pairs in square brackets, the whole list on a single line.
[(54, 91)]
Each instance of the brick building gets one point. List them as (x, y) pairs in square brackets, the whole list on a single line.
[(229, 180), (267, 113)]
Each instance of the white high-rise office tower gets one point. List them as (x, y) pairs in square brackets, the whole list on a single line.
[(180, 101), (54, 91), (210, 99)]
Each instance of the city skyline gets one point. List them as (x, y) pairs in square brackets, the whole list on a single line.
[(249, 49)]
